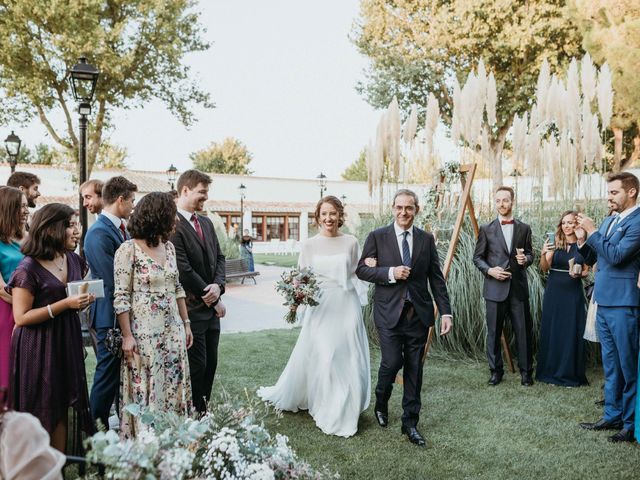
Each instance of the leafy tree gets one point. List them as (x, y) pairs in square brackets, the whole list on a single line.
[(112, 156), (611, 33), (357, 171), (46, 155), (419, 46), (25, 155), (230, 156), (138, 46)]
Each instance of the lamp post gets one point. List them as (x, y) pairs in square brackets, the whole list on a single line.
[(172, 175), (322, 183), (12, 144), (84, 78), (242, 189), (344, 200)]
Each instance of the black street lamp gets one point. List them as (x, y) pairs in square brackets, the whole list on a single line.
[(12, 144), (172, 175), (84, 78), (242, 189), (322, 183), (344, 200)]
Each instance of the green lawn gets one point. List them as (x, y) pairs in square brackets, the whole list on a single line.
[(288, 260), (473, 431)]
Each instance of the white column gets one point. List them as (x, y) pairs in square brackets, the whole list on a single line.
[(304, 226)]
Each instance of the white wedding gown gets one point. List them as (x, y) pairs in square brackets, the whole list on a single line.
[(328, 372)]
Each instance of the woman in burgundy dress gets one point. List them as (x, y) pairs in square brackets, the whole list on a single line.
[(47, 362)]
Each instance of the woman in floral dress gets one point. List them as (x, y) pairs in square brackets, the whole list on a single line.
[(150, 305)]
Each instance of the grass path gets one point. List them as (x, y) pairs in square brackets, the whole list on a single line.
[(472, 431)]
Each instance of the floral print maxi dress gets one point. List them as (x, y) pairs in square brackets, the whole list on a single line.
[(158, 377)]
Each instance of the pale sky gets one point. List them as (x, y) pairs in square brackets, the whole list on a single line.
[(282, 74)]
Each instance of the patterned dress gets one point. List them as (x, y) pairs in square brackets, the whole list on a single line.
[(158, 376), (47, 377)]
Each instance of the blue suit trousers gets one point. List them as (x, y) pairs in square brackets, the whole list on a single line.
[(618, 333), (106, 382)]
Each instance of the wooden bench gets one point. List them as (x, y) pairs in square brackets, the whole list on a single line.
[(238, 268)]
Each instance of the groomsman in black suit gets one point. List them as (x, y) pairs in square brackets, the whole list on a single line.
[(201, 266), (407, 264), (502, 254)]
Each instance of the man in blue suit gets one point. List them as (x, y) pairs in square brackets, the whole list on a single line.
[(615, 246), (100, 245)]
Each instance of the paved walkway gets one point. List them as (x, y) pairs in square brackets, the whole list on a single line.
[(254, 307)]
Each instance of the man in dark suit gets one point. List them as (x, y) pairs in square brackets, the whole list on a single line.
[(100, 245), (201, 266), (616, 248), (406, 264), (502, 254)]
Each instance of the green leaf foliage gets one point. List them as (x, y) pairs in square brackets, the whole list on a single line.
[(139, 47), (231, 156), (357, 171), (420, 46)]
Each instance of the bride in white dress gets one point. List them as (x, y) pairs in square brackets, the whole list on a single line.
[(328, 372)]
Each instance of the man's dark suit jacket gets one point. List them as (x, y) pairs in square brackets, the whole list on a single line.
[(492, 251), (100, 245), (199, 265), (425, 271)]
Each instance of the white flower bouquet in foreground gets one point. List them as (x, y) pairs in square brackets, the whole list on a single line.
[(226, 443)]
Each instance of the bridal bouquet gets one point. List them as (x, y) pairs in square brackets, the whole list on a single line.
[(299, 286)]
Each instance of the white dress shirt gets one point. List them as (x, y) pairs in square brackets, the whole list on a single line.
[(400, 238), (188, 216), (117, 221), (507, 231)]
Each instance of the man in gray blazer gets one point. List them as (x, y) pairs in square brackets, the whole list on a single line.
[(502, 254)]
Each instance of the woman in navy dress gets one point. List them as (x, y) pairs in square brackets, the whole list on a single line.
[(561, 357), (47, 376)]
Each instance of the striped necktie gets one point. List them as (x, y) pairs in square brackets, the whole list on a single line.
[(406, 253)]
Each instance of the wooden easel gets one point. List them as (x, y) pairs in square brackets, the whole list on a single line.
[(467, 172)]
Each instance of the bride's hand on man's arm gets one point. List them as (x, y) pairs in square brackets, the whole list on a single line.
[(371, 262)]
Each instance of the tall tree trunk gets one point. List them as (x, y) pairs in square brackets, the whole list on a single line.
[(635, 155), (617, 148), (497, 146)]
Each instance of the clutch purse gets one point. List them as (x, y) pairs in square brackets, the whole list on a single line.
[(113, 342)]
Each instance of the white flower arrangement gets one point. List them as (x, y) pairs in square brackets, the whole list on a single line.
[(229, 442)]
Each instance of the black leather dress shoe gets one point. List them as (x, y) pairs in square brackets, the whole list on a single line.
[(622, 436), (526, 380), (601, 425), (414, 436), (495, 379), (382, 418)]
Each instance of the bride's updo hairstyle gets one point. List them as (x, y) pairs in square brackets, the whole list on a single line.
[(336, 203)]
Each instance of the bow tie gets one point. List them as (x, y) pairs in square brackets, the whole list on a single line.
[(507, 222)]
